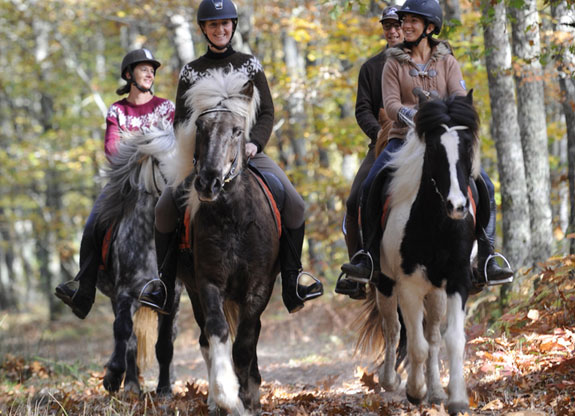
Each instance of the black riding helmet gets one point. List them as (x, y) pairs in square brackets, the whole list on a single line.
[(129, 62), (218, 10), (389, 13), (430, 10)]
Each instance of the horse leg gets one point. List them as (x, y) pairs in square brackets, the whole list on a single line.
[(131, 382), (455, 343), (223, 382), (435, 305), (411, 291), (245, 358), (167, 332), (387, 305), (123, 329)]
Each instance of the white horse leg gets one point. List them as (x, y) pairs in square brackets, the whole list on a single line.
[(223, 377), (435, 306), (411, 291), (455, 343), (212, 406), (388, 377)]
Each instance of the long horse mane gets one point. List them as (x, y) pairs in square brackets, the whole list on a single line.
[(131, 169), (408, 161), (221, 87)]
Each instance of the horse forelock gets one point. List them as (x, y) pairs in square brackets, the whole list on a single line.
[(222, 88), (408, 165)]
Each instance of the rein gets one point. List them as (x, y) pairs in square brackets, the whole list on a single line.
[(233, 172)]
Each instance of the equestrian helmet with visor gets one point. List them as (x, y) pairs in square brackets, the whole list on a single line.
[(430, 10), (136, 57), (218, 10), (389, 13)]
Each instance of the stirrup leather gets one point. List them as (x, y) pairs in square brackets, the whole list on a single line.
[(496, 282), (150, 304), (361, 280), (312, 295)]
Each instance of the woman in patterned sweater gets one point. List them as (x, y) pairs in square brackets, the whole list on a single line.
[(218, 21), (141, 109)]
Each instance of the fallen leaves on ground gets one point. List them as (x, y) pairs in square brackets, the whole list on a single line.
[(519, 364)]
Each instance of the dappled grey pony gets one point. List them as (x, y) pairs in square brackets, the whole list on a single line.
[(235, 238), (426, 253), (135, 181)]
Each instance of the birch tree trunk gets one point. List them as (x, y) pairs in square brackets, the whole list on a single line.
[(451, 10), (505, 131), (564, 15), (531, 117), (182, 38)]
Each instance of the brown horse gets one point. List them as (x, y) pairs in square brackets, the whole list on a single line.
[(234, 237)]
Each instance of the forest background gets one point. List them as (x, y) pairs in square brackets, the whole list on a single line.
[(60, 67)]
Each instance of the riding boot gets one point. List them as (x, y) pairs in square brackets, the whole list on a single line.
[(294, 294), (488, 271), (79, 294), (159, 293)]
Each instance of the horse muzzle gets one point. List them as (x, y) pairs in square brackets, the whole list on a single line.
[(208, 185), (458, 209)]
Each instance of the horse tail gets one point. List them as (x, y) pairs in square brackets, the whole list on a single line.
[(370, 341), (232, 313), (146, 330)]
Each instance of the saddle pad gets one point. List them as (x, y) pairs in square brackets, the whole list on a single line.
[(106, 247), (185, 241)]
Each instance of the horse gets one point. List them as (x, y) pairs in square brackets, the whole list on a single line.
[(135, 181), (426, 253), (235, 241)]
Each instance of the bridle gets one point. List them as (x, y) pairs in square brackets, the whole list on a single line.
[(234, 171)]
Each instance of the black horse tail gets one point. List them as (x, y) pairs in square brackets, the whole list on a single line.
[(232, 313)]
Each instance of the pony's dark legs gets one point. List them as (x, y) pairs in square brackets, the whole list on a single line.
[(291, 242), (119, 362), (244, 354), (79, 293), (165, 349), (159, 294)]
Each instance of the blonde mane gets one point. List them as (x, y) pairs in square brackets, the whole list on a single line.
[(221, 87)]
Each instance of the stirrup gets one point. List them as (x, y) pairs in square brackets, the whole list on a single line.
[(496, 282), (360, 279), (151, 304), (312, 295)]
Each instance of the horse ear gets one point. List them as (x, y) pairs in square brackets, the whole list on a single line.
[(248, 89), (470, 96)]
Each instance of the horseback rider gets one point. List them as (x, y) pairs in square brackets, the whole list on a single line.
[(425, 64), (218, 20), (372, 119), (139, 110)]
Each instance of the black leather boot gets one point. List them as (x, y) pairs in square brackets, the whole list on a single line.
[(79, 294), (158, 293), (488, 271), (294, 294)]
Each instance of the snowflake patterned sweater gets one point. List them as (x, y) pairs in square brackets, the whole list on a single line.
[(123, 115), (250, 66)]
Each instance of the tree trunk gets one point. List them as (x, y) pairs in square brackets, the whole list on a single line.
[(564, 16), (531, 117), (505, 131), (182, 39), (451, 10)]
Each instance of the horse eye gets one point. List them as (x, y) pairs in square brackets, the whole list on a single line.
[(237, 131)]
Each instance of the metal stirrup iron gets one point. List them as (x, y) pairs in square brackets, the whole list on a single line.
[(361, 279), (496, 282), (312, 295), (151, 304)]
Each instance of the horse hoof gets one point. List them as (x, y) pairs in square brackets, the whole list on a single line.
[(164, 392), (437, 397), (112, 381), (457, 408), (392, 386), (413, 400), (132, 387)]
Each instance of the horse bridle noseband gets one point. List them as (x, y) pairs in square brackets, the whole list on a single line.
[(233, 172)]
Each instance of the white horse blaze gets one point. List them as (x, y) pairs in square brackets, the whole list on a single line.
[(223, 377), (450, 141)]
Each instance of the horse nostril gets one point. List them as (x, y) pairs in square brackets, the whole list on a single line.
[(216, 185)]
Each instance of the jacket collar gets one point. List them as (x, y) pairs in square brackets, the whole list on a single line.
[(402, 54)]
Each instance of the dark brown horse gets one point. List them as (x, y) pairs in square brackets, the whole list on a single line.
[(234, 238)]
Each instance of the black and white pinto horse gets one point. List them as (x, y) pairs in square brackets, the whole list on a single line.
[(425, 253), (234, 237), (135, 181)]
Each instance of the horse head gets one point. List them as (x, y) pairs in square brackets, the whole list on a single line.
[(449, 129), (224, 106)]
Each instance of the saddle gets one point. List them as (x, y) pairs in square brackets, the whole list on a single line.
[(272, 189)]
